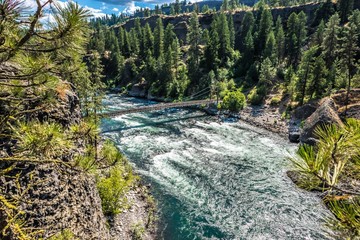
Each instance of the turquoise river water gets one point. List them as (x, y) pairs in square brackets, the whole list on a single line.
[(215, 180)]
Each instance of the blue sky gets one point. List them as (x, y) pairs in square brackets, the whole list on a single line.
[(101, 7), (117, 6)]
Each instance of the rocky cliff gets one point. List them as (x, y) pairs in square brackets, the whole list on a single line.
[(181, 22), (48, 198)]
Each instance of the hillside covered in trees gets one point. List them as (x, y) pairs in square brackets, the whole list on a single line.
[(306, 51)]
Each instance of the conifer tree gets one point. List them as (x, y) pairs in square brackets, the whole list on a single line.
[(246, 26), (302, 31), (169, 36), (304, 72), (270, 47), (292, 38), (265, 27), (120, 38), (330, 41), (225, 5), (231, 31), (319, 34), (194, 39), (279, 40), (224, 39), (127, 46), (148, 39), (134, 42), (158, 38), (212, 47), (317, 85), (177, 7), (349, 49)]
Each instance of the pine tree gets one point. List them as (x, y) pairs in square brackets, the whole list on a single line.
[(121, 39), (292, 38), (177, 7), (148, 39), (265, 27), (349, 49), (317, 85), (304, 72), (225, 5), (224, 39), (319, 34), (302, 32), (212, 48), (127, 46), (330, 41), (158, 38), (233, 4), (270, 47), (194, 39), (280, 40), (232, 31), (246, 26), (134, 42), (157, 9), (205, 8), (169, 36), (139, 36)]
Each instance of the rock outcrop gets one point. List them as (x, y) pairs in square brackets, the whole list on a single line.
[(324, 115), (56, 198), (138, 90), (205, 20)]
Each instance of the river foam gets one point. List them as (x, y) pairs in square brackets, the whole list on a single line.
[(215, 181)]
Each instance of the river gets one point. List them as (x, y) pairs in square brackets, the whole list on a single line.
[(215, 180)]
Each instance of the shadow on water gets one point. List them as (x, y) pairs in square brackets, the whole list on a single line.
[(151, 124)]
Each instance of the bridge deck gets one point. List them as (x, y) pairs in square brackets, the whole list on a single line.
[(156, 107)]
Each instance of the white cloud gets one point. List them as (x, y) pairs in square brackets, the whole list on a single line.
[(115, 9), (30, 6), (95, 12), (130, 8)]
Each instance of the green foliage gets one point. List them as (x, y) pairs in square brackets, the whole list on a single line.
[(275, 101), (64, 235), (234, 101), (256, 95), (44, 140), (348, 212), (337, 146), (137, 231), (113, 187)]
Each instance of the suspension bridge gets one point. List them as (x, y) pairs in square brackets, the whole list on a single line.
[(155, 107)]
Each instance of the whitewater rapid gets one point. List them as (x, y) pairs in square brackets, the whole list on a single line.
[(215, 180)]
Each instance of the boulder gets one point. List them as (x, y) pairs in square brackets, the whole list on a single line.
[(138, 90), (294, 136), (305, 111), (326, 114)]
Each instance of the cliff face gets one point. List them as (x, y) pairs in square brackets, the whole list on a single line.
[(181, 22), (49, 197)]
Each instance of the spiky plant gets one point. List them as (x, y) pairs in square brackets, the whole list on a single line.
[(336, 147)]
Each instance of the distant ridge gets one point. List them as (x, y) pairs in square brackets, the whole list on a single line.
[(211, 4)]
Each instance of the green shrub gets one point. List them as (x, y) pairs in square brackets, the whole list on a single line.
[(257, 95), (137, 231), (64, 235), (234, 101), (275, 101), (113, 188)]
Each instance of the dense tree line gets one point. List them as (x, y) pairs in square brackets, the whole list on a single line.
[(308, 59)]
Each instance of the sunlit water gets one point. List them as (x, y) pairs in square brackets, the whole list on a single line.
[(215, 180)]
